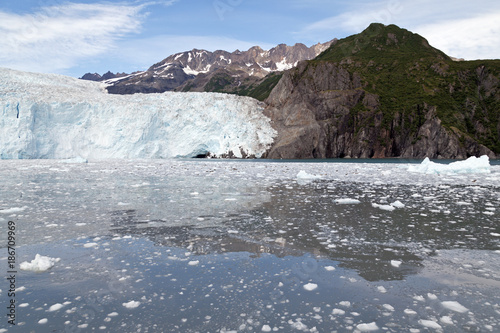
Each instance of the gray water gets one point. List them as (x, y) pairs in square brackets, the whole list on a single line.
[(229, 246)]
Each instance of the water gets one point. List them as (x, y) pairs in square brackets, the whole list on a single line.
[(221, 246)]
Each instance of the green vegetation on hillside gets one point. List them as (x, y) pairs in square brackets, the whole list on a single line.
[(408, 75), (253, 87)]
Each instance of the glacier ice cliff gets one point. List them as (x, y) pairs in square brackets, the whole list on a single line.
[(53, 116)]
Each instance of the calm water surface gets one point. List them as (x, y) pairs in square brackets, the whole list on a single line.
[(228, 246)]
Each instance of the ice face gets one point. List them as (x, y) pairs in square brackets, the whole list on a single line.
[(52, 116)]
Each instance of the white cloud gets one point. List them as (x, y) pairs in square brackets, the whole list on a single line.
[(457, 27), (472, 38), (58, 37)]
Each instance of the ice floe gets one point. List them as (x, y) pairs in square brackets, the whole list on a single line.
[(471, 165), (39, 264)]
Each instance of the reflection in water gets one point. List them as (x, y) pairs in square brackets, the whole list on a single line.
[(230, 246)]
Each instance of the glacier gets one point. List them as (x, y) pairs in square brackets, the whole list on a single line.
[(49, 116)]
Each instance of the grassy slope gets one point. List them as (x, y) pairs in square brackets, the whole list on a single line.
[(407, 74)]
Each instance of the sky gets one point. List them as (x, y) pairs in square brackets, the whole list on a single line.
[(74, 37)]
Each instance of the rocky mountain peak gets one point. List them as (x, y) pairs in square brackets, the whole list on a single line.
[(188, 70)]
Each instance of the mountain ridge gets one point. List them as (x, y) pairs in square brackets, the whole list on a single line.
[(201, 70)]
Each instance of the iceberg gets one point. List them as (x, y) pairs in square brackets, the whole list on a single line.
[(52, 116), (471, 165)]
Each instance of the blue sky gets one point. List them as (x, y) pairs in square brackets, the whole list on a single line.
[(74, 37)]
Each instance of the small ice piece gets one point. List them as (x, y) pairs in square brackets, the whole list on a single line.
[(23, 305), (55, 307), (367, 327), (131, 304), (419, 298), (39, 264), (432, 296), (388, 208), (304, 175), (339, 312), (347, 201), (388, 307), (266, 328), (410, 312), (232, 231), (494, 234), (454, 306), (330, 268), (43, 321), (113, 314), (310, 286), (396, 263), (12, 210), (345, 304), (429, 324), (193, 262), (87, 245), (398, 204), (446, 320), (381, 289)]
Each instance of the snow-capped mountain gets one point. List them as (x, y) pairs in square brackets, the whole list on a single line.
[(54, 116), (179, 71)]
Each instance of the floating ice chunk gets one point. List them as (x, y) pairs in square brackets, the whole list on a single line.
[(77, 159), (396, 263), (429, 324), (193, 262), (398, 204), (367, 327), (388, 208), (304, 175), (131, 304), (471, 165), (39, 264), (113, 314), (446, 320), (43, 321), (347, 201), (432, 296), (454, 306), (345, 304), (329, 268), (87, 245), (381, 289), (55, 307), (388, 307), (13, 210), (339, 312), (410, 312), (310, 286), (494, 234), (266, 328)]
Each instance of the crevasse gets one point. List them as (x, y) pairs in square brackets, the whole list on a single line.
[(57, 117)]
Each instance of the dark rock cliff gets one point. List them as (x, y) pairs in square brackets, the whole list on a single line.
[(330, 109)]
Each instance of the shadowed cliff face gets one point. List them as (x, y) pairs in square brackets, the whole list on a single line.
[(400, 106)]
